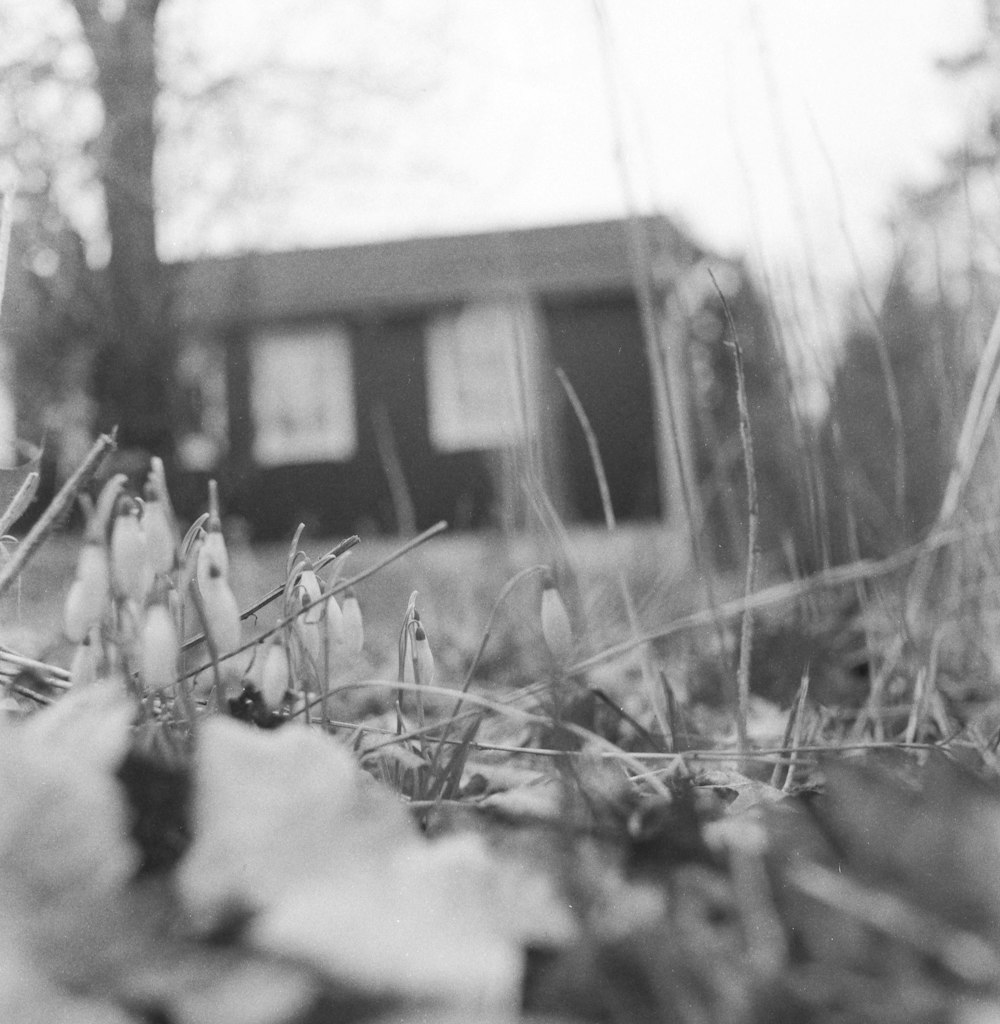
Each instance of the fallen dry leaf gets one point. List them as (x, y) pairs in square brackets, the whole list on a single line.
[(274, 810), (289, 829)]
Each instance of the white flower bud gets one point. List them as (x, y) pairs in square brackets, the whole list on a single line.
[(334, 629), (100, 517), (161, 538), (354, 630), (158, 649), (222, 613), (308, 591), (158, 520), (275, 674), (131, 573), (213, 558), (418, 646), (87, 599), (556, 626), (83, 667), (309, 636)]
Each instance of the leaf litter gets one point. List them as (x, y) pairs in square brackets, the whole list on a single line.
[(163, 860)]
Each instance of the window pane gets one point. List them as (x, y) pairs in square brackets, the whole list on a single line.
[(472, 370), (302, 396)]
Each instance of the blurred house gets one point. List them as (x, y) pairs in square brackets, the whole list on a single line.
[(390, 385)]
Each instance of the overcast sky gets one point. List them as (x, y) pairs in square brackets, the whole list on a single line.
[(746, 119)]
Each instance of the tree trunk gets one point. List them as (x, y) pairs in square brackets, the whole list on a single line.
[(133, 373)]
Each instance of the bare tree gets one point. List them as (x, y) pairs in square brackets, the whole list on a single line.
[(135, 361), (130, 76)]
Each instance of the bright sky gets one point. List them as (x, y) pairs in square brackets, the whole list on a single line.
[(755, 122)]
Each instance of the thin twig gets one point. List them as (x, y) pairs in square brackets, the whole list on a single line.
[(52, 674), (19, 503), (58, 506), (796, 738), (753, 524), (6, 226), (979, 411), (24, 691)]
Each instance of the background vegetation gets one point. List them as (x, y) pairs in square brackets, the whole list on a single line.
[(748, 774)]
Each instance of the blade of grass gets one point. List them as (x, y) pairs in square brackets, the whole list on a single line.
[(782, 593), (797, 723), (392, 465), (592, 739), (648, 672)]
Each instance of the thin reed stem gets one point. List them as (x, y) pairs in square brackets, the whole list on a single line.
[(59, 505), (753, 526), (648, 674)]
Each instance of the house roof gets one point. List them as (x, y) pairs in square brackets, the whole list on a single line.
[(558, 260)]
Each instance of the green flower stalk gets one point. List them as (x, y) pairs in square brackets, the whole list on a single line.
[(222, 613), (213, 556), (418, 651), (158, 521)]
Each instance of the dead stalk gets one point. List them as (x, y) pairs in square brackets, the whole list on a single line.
[(753, 526), (59, 505), (6, 225)]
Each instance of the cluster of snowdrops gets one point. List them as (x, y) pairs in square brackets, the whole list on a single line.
[(140, 589)]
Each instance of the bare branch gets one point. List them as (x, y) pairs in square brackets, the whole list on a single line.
[(95, 27)]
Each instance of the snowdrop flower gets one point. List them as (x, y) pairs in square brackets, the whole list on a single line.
[(354, 631)]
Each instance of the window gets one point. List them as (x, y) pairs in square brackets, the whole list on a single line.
[(475, 359), (302, 396)]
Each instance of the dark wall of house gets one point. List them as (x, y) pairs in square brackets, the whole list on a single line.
[(335, 498), (598, 342)]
